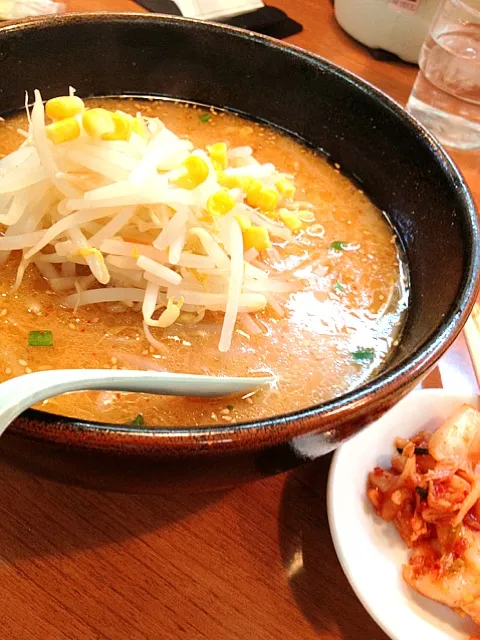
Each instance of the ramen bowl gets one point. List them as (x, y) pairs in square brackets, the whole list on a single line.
[(399, 165)]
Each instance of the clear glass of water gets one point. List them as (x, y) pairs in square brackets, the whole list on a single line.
[(446, 93)]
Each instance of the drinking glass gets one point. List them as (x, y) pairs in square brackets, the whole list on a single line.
[(446, 93)]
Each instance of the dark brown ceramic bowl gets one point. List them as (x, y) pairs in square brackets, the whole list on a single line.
[(400, 166)]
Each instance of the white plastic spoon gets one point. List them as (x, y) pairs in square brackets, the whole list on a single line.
[(20, 393)]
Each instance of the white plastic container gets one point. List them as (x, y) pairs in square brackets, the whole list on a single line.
[(397, 26)]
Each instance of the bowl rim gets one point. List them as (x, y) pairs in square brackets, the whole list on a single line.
[(258, 433)]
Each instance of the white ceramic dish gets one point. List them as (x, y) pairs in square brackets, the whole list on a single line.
[(370, 551)]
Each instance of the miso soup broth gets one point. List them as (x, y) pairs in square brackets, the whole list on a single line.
[(331, 317)]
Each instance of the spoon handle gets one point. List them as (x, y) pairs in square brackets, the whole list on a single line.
[(18, 394)]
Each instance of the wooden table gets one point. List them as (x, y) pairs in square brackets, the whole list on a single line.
[(256, 562)]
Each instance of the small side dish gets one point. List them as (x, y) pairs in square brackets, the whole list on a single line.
[(431, 494)]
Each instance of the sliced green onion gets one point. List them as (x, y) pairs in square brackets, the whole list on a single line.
[(363, 355), (338, 287), (139, 421), (40, 339), (338, 245), (206, 117)]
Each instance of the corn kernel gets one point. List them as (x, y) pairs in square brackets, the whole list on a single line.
[(63, 130), (218, 155), (220, 203), (229, 182), (243, 221), (64, 107), (196, 172), (235, 182), (256, 238), (261, 197), (245, 182), (286, 188), (98, 122), (252, 187), (290, 220), (123, 124)]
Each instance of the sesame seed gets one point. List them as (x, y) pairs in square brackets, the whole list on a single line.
[(336, 165), (214, 416), (225, 412), (114, 360), (8, 371), (95, 320), (22, 363), (249, 400), (71, 325), (145, 352), (28, 370), (3, 312), (395, 343), (227, 418), (151, 349)]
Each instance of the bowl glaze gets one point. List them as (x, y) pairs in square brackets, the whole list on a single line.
[(399, 164)]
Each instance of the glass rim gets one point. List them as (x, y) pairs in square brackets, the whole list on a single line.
[(467, 7)]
